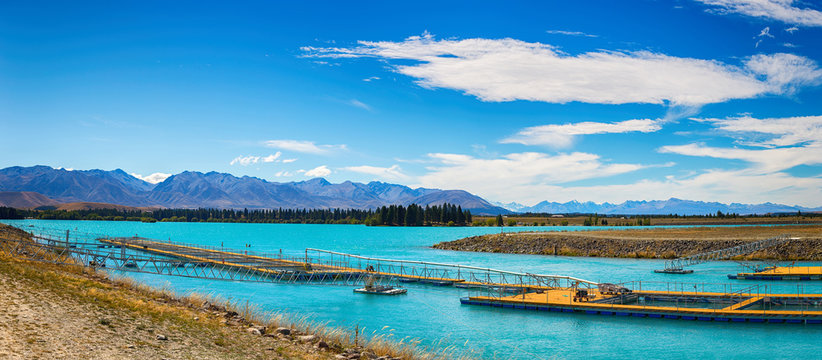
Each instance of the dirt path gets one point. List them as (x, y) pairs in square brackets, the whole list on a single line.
[(38, 323)]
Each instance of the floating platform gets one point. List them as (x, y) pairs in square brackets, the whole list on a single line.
[(380, 290), (700, 306), (787, 273), (674, 271)]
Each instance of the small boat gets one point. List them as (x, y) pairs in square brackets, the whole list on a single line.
[(674, 271), (380, 290), (437, 282)]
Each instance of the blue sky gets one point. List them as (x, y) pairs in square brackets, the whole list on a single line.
[(714, 100)]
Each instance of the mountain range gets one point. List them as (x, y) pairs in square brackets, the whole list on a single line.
[(191, 189), (655, 207), (35, 186)]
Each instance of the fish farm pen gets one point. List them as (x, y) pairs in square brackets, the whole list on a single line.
[(488, 287), (788, 273)]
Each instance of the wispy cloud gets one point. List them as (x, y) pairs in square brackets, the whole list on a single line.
[(319, 171), (393, 172), (507, 69), (765, 33), (251, 159), (517, 176), (569, 33), (372, 78), (359, 104), (777, 132), (792, 29), (308, 147), (781, 10), (154, 178), (778, 143), (561, 136)]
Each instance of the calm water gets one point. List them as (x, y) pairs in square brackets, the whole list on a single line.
[(435, 314)]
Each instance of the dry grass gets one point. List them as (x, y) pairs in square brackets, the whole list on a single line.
[(204, 317)]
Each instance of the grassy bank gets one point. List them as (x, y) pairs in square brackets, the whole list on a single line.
[(67, 311), (648, 243)]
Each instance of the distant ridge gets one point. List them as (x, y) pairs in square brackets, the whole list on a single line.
[(659, 207), (192, 189)]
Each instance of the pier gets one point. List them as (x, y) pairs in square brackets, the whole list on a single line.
[(488, 287), (677, 266)]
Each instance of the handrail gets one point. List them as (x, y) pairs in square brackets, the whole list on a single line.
[(564, 277)]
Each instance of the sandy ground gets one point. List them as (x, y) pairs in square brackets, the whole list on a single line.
[(37, 323)]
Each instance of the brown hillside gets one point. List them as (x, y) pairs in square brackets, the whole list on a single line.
[(25, 199)]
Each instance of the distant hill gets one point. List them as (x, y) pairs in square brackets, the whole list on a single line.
[(33, 200), (93, 206), (25, 199), (192, 189), (662, 207)]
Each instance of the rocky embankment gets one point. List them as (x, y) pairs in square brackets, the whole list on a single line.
[(653, 243)]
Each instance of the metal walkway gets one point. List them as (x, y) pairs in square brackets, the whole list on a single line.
[(676, 266), (138, 254), (491, 287)]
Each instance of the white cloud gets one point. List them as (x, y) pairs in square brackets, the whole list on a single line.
[(286, 161), (764, 161), (569, 33), (390, 173), (155, 178), (272, 158), (518, 176), (304, 146), (787, 131), (509, 69), (283, 173), (765, 32), (245, 160), (359, 104), (792, 29), (781, 10), (560, 136), (778, 144), (785, 73), (251, 159), (319, 171), (372, 78)]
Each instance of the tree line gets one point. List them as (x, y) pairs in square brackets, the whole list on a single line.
[(394, 215), (416, 215)]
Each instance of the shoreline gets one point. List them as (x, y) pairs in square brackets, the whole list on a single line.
[(121, 318), (648, 243)]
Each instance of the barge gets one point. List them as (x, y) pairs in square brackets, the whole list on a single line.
[(698, 306)]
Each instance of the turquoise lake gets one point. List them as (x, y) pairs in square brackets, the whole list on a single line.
[(435, 315)]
